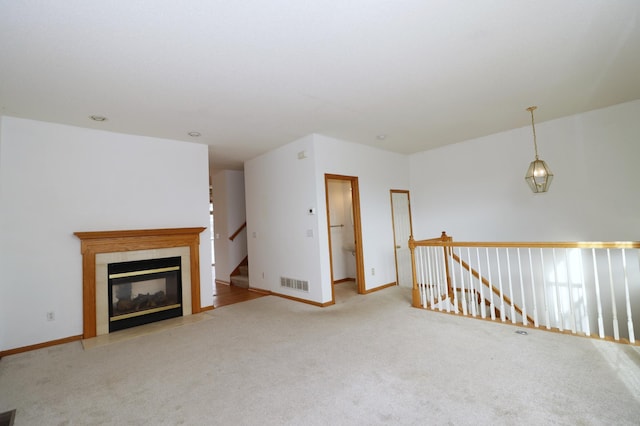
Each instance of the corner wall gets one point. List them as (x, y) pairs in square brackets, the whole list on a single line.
[(58, 179), (285, 240), (280, 188)]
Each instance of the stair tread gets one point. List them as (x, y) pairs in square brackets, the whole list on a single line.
[(240, 280)]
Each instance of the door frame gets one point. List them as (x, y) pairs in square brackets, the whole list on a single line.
[(393, 224), (357, 228)]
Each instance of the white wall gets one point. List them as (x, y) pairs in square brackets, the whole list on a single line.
[(4, 293), (280, 188), (475, 190), (229, 212), (58, 179)]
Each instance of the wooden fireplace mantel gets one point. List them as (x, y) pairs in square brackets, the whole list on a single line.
[(93, 243)]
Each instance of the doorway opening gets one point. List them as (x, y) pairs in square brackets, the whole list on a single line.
[(402, 230), (345, 231), (212, 237)]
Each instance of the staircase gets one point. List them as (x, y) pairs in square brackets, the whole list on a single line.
[(240, 277)]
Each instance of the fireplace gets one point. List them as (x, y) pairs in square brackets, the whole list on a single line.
[(144, 291), (101, 249)]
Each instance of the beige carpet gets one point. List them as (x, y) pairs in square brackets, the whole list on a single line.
[(366, 360)]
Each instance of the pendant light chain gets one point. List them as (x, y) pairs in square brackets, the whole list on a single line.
[(535, 142)]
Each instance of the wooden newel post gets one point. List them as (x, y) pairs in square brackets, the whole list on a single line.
[(415, 295)]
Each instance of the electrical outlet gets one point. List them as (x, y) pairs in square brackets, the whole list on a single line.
[(373, 271), (51, 316)]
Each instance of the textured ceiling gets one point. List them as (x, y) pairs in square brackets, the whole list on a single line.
[(253, 75)]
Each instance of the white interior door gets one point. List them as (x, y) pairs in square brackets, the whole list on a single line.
[(401, 214)]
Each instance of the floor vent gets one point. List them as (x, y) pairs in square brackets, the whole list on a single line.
[(295, 284)]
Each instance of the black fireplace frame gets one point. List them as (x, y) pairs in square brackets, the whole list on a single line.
[(144, 265)]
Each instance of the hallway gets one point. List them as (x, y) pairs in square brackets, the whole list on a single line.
[(225, 294)]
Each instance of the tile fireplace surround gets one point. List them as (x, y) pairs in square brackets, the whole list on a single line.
[(103, 247)]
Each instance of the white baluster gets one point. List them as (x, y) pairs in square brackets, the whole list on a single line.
[(473, 300), (559, 318), (614, 310), (502, 313), (442, 289), (533, 292), (442, 280), (416, 260), (524, 302), (420, 275), (511, 295), (570, 290), (587, 328), (483, 307), (452, 270), (462, 292), (429, 278), (492, 307), (428, 283), (632, 338), (598, 301), (544, 289), (435, 278)]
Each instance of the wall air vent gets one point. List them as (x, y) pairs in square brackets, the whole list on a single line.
[(294, 284)]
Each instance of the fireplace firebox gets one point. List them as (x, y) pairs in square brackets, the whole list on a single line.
[(144, 291)]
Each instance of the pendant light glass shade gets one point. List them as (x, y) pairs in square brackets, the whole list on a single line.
[(538, 175)]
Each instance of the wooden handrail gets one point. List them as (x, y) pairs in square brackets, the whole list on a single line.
[(235, 234), (437, 242)]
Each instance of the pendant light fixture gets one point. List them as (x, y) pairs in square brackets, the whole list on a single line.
[(539, 175)]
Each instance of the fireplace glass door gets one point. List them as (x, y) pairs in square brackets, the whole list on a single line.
[(144, 291)]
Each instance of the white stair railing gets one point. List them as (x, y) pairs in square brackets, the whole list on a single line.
[(585, 288)]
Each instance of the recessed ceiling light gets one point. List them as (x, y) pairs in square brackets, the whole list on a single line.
[(98, 118), (381, 137), (194, 134)]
